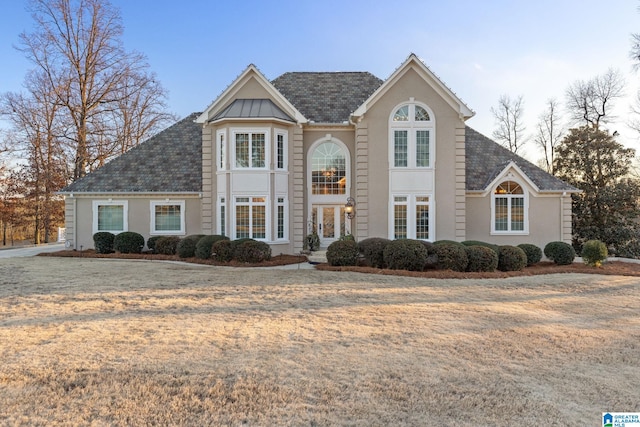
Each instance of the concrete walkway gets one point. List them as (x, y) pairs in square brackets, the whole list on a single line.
[(29, 251)]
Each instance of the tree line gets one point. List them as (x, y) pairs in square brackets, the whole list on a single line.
[(586, 155), (86, 99)]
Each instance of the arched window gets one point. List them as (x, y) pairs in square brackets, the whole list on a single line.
[(509, 208), (412, 137), (328, 169)]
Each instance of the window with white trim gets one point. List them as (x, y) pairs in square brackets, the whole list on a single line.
[(281, 150), (251, 149), (328, 169), (110, 215), (221, 149), (168, 217), (251, 218), (509, 212), (412, 129), (281, 219), (222, 216), (410, 217)]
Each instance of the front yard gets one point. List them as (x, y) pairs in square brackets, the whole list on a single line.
[(122, 342)]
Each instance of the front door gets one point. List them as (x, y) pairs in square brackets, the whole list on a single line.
[(329, 223)]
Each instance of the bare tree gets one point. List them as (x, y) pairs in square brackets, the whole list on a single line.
[(78, 48), (590, 102), (549, 134), (510, 128)]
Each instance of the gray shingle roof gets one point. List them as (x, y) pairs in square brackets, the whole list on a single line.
[(485, 159), (252, 109), (327, 97), (170, 161)]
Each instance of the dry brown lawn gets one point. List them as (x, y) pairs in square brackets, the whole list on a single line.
[(121, 342)]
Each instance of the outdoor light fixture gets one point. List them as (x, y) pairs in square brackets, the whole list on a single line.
[(349, 208)]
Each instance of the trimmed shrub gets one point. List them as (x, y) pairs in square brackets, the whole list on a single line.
[(128, 242), (491, 246), (560, 252), (151, 242), (481, 258), (511, 258), (373, 251), (594, 252), (447, 242), (103, 242), (222, 250), (405, 254), (533, 253), (204, 245), (343, 252), (451, 256), (187, 246), (252, 251), (235, 246), (348, 237), (167, 245)]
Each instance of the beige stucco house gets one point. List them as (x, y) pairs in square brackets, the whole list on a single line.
[(276, 160)]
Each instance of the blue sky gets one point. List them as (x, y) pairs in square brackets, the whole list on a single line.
[(479, 49)]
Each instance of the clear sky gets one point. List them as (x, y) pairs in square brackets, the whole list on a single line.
[(480, 49)]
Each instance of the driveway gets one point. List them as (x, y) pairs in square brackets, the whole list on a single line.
[(30, 250)]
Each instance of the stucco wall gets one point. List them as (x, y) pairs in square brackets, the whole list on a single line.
[(139, 216), (545, 221)]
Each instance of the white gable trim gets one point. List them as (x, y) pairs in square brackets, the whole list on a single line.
[(504, 175), (229, 94), (413, 62)]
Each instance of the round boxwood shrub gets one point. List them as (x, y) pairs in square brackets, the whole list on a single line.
[(447, 242), (343, 252), (204, 245), (481, 258), (167, 245), (511, 258), (451, 256), (405, 254), (594, 252), (151, 242), (103, 242), (560, 252), (187, 246), (491, 246), (252, 251), (128, 242), (372, 249), (222, 250), (533, 253)]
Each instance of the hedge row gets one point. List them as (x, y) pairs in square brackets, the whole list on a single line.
[(417, 255)]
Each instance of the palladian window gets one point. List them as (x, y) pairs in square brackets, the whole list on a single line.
[(412, 134), (328, 169), (509, 213)]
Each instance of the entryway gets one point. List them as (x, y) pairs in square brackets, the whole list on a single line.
[(328, 222)]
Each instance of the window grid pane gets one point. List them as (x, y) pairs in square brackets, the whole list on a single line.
[(280, 222), (242, 221), (400, 148), (280, 152), (110, 218), (221, 160), (259, 223), (400, 222), (258, 150), (329, 170), (502, 214), (422, 148), (517, 214), (168, 218), (421, 114), (223, 220), (422, 222), (242, 150), (402, 115)]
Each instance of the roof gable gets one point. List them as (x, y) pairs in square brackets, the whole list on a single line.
[(230, 94), (327, 97), (414, 63)]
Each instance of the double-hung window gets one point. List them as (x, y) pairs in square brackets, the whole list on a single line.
[(509, 213), (281, 150), (251, 217), (412, 131), (110, 215), (251, 148), (167, 217)]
